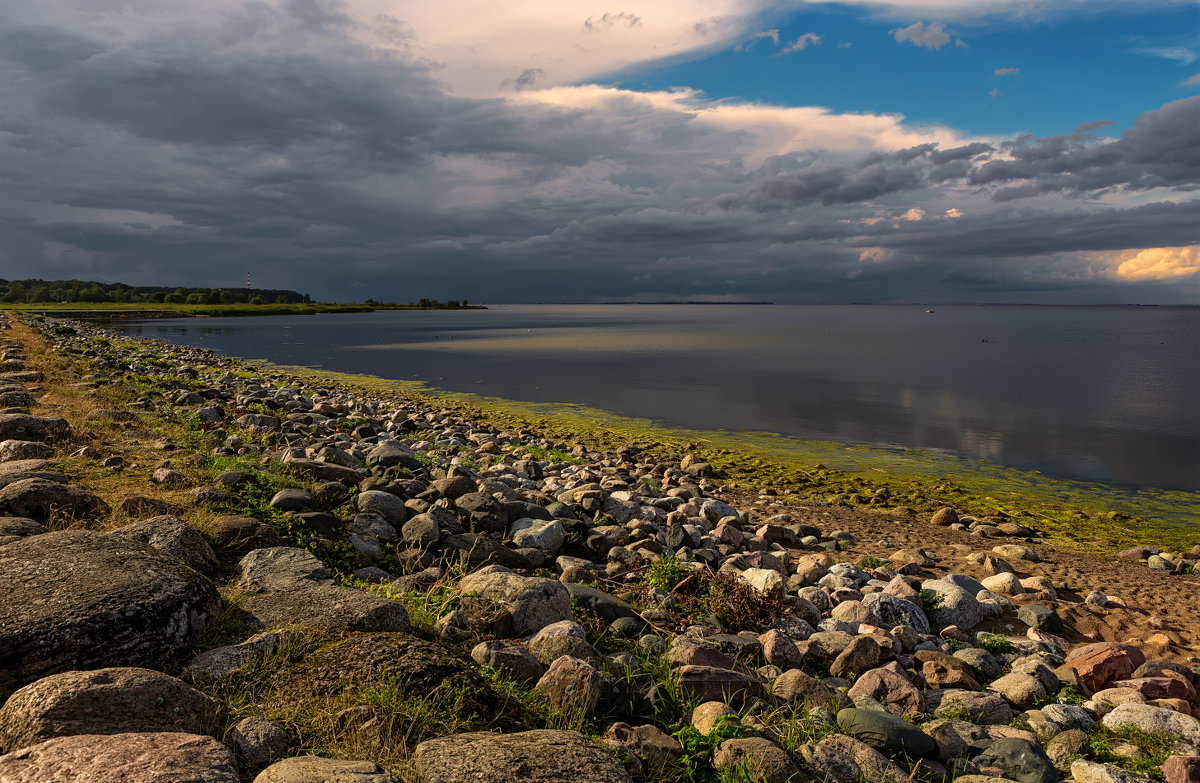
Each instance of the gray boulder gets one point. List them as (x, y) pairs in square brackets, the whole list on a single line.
[(1150, 719), (548, 536), (958, 606), (327, 607), (885, 732), (896, 611), (1020, 760), (23, 426), (513, 605), (24, 449), (385, 504), (77, 599), (104, 701), (172, 536), (42, 499), (279, 569)]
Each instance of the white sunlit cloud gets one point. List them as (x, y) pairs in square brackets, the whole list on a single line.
[(1155, 263), (1177, 53), (1006, 72), (769, 35), (802, 43), (933, 36)]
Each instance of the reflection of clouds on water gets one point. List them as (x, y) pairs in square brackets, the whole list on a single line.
[(567, 340)]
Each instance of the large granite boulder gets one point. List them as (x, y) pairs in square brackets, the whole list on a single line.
[(543, 756), (508, 604), (167, 757), (77, 599), (104, 701)]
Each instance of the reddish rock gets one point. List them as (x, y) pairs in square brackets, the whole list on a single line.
[(1182, 769), (775, 534), (938, 675), (727, 534), (713, 684), (1136, 553), (954, 633), (1104, 663), (703, 655), (779, 650), (1160, 687), (900, 588), (891, 686), (570, 686)]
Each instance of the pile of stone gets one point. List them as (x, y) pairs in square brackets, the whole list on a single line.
[(886, 665), (1160, 560)]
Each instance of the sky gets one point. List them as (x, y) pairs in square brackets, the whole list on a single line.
[(1031, 151)]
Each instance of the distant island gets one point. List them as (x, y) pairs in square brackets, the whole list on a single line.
[(119, 300)]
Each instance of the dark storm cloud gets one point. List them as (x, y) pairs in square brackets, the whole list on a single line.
[(1017, 232), (272, 140), (1161, 150), (873, 176)]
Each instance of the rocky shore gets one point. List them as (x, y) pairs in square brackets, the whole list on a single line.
[(216, 574)]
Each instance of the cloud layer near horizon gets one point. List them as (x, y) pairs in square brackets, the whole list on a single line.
[(320, 146)]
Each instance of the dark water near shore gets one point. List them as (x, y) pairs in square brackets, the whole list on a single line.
[(1097, 393)]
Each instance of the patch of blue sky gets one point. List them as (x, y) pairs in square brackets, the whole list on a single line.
[(1044, 76)]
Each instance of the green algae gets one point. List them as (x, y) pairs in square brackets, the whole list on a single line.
[(1089, 514)]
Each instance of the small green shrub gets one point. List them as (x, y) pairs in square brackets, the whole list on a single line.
[(666, 573), (932, 600), (698, 748), (869, 562), (994, 643)]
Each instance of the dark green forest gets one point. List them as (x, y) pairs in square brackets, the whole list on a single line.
[(70, 291)]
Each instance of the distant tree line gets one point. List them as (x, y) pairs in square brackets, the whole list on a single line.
[(426, 303), (34, 291)]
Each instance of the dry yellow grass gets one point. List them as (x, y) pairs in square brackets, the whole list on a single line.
[(64, 393)]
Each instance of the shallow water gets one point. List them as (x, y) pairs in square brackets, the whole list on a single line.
[(1096, 393)]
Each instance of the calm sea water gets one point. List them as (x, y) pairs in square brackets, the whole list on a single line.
[(1109, 394)]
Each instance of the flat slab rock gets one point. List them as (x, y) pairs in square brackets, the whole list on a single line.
[(167, 757), (327, 608), (543, 756), (78, 599)]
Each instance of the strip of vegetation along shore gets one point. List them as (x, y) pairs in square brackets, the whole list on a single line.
[(1089, 515), (129, 310)]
